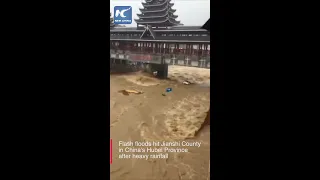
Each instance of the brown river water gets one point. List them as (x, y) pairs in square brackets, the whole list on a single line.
[(156, 116)]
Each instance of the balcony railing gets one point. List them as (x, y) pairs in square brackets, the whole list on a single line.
[(159, 58)]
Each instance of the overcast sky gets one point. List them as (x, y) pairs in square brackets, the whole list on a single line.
[(190, 12)]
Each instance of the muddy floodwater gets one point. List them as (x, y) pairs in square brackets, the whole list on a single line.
[(153, 115)]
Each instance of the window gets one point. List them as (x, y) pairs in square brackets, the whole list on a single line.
[(190, 34), (195, 46), (182, 46), (209, 47), (172, 47), (204, 34)]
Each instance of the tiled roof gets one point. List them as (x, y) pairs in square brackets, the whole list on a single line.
[(176, 28)]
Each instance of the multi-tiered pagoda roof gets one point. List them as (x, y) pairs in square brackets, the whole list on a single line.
[(157, 13)]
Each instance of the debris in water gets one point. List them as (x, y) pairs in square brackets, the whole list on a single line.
[(186, 82), (167, 91), (155, 73), (127, 92)]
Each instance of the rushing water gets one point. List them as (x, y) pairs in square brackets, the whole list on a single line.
[(152, 116)]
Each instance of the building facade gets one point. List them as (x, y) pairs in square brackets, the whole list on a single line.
[(159, 38)]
